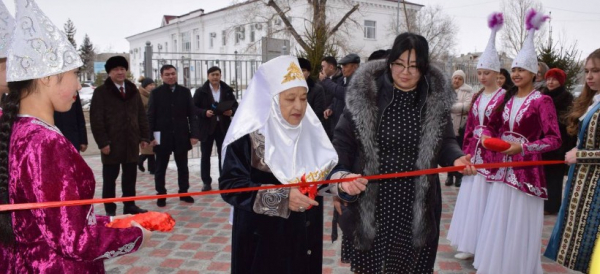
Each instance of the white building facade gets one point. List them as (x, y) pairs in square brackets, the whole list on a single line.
[(232, 37)]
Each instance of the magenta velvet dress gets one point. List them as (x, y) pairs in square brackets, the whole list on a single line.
[(536, 128), (44, 166)]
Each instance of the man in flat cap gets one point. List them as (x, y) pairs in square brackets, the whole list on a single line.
[(338, 89), (120, 126)]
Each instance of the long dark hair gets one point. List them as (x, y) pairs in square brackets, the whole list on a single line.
[(581, 104), (508, 83), (10, 109), (510, 93)]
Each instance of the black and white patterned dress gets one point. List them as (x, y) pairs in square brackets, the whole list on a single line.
[(392, 251)]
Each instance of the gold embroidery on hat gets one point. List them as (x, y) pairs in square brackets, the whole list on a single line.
[(294, 73)]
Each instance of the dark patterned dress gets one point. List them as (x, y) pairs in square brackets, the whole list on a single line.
[(392, 251)]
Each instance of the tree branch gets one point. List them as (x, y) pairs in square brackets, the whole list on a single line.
[(339, 24), (287, 22)]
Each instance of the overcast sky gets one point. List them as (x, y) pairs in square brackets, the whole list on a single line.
[(108, 22)]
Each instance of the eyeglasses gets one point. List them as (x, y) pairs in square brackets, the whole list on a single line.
[(402, 67)]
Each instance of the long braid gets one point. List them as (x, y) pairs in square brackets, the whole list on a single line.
[(10, 109), (509, 94)]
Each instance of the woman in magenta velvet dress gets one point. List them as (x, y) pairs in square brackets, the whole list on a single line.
[(510, 238), (38, 164)]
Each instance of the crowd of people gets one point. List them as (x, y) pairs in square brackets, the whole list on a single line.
[(397, 112)]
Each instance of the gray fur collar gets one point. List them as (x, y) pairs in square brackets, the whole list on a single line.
[(362, 103)]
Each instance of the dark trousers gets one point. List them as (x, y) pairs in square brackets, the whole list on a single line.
[(151, 162), (554, 182), (206, 150), (183, 173), (109, 178), (459, 140)]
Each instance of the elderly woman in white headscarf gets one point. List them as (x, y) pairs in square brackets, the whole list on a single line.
[(275, 139)]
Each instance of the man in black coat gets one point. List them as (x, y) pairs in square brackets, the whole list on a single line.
[(338, 89), (120, 127), (315, 96), (172, 119), (210, 101), (330, 71), (72, 125)]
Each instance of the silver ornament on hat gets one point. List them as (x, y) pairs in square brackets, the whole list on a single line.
[(38, 48), (7, 25)]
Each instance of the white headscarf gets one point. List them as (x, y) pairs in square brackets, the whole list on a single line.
[(290, 151)]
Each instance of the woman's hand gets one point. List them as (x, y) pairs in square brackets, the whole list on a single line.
[(300, 202), (147, 233), (571, 156), (354, 187), (466, 162), (515, 148), (120, 217), (483, 138)]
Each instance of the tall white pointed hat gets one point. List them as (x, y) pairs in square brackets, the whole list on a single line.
[(7, 25), (38, 48), (489, 59), (527, 57)]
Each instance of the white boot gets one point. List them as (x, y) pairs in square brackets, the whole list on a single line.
[(463, 255)]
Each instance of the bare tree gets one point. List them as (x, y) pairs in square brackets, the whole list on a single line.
[(432, 23), (514, 30), (321, 34)]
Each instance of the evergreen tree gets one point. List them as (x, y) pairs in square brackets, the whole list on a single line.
[(563, 57), (87, 54), (70, 31)]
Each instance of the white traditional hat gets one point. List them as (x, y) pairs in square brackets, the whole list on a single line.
[(7, 25), (527, 57), (489, 59), (38, 48), (290, 151)]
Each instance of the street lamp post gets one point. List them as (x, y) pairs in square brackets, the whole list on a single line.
[(398, 19)]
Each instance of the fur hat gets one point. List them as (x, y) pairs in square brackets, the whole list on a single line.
[(557, 74), (116, 61)]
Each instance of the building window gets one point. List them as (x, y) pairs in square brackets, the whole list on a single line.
[(252, 33), (240, 34), (370, 27), (224, 38), (166, 46), (197, 39), (186, 42), (211, 39), (174, 38)]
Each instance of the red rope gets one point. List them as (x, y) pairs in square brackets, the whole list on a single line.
[(23, 206)]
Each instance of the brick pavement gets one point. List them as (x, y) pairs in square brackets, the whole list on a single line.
[(200, 242)]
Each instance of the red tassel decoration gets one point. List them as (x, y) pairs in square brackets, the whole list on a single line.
[(153, 221)]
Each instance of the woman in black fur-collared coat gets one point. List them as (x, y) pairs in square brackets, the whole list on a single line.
[(397, 118)]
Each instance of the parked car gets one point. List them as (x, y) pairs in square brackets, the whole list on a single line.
[(85, 93)]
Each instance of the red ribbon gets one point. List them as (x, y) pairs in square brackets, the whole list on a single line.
[(12, 207), (310, 190)]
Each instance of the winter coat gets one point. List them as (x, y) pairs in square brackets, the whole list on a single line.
[(172, 114), (145, 97), (316, 98), (338, 89), (563, 100), (460, 109), (118, 122), (72, 124), (203, 101), (355, 136)]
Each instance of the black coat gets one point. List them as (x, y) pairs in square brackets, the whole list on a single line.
[(563, 100), (203, 101), (337, 89), (72, 124), (264, 244), (355, 137), (118, 122), (172, 114), (316, 98)]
